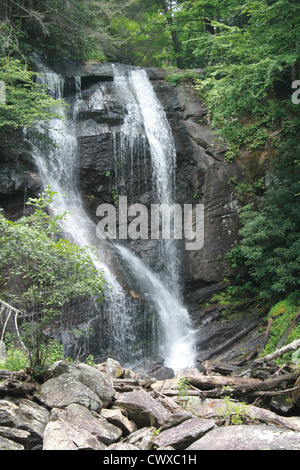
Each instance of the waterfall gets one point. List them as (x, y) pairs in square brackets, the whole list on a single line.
[(163, 160), (176, 336), (58, 168), (145, 134), (162, 288)]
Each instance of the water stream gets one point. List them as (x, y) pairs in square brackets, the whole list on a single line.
[(146, 128)]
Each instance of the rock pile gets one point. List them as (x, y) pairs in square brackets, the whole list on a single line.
[(79, 407)]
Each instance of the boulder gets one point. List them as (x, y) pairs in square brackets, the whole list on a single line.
[(98, 382), (113, 368), (252, 437), (116, 417), (162, 373), (61, 435), (7, 444), (95, 68), (34, 419), (142, 438), (9, 414), (82, 419), (142, 408), (23, 417), (16, 435), (95, 380), (63, 390), (175, 419), (217, 409), (155, 73), (181, 436)]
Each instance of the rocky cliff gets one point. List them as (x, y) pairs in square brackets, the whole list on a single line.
[(202, 176)]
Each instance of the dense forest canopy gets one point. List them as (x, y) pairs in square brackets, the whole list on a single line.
[(243, 58)]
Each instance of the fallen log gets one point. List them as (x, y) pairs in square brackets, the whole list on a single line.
[(273, 393), (129, 385), (250, 389), (279, 352), (126, 388), (208, 382)]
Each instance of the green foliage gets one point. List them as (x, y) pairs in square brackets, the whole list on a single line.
[(296, 358), (182, 77), (249, 68), (16, 359), (183, 387), (283, 313), (79, 29), (145, 41), (250, 61), (26, 101), (41, 272), (270, 241), (90, 360), (235, 413)]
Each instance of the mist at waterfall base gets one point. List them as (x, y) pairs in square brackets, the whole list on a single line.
[(159, 324)]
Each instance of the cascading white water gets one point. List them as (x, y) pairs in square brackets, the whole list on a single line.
[(58, 168), (163, 159), (177, 346), (145, 127)]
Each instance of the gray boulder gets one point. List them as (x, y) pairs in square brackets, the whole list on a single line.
[(179, 437), (122, 446), (96, 381), (7, 444), (116, 417), (14, 434), (81, 420), (23, 422), (62, 435), (63, 390), (252, 437), (142, 438), (142, 408)]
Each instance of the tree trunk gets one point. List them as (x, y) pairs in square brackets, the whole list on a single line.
[(175, 40)]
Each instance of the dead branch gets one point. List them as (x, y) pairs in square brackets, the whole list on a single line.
[(272, 385), (279, 352), (207, 382)]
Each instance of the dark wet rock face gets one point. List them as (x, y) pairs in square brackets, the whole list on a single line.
[(202, 177)]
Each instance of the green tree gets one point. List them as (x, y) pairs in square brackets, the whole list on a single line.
[(40, 272), (145, 40), (269, 244), (76, 28), (251, 57), (250, 66), (26, 102)]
